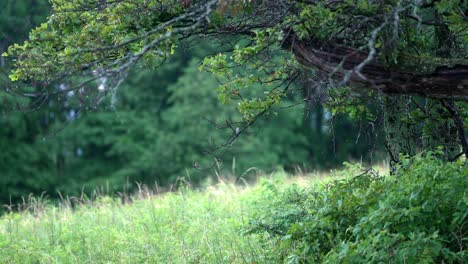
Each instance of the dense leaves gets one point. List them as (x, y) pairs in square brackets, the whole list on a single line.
[(419, 216)]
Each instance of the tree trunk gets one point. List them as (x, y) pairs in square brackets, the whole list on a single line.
[(400, 131)]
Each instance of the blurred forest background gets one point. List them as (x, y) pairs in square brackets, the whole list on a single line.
[(157, 125)]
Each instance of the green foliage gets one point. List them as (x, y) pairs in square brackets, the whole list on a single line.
[(155, 126), (418, 216), (159, 124), (255, 73), (153, 133), (343, 101), (86, 37), (18, 17), (318, 22), (26, 161), (26, 158), (79, 33)]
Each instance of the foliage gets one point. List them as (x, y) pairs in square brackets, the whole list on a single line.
[(18, 17), (151, 143), (105, 27), (154, 129), (402, 47), (254, 74), (106, 38), (155, 134), (418, 216), (148, 131), (26, 158)]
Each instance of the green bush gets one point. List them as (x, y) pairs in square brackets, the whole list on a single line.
[(417, 216)]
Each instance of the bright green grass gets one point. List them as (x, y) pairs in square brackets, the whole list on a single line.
[(183, 227)]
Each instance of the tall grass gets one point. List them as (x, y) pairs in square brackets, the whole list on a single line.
[(187, 226), (419, 215)]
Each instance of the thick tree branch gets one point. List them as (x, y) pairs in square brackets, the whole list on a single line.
[(337, 61)]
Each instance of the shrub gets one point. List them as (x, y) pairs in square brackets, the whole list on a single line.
[(417, 216)]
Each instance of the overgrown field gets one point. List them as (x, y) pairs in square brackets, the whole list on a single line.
[(187, 226), (417, 216)]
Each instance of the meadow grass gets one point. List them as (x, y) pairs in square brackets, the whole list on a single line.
[(187, 226), (417, 216)]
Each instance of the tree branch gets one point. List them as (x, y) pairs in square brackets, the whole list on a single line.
[(337, 61)]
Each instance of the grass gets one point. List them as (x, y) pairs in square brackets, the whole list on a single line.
[(188, 226), (417, 216)]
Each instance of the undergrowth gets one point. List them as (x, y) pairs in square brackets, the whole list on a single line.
[(418, 215)]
